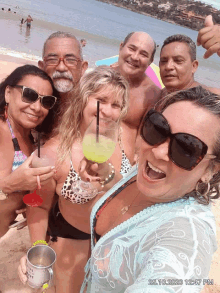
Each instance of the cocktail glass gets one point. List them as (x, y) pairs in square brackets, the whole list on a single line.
[(45, 160), (98, 146)]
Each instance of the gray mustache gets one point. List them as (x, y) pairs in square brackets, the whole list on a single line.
[(58, 74)]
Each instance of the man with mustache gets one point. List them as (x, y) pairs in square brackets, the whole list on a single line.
[(63, 62), (178, 64), (136, 53)]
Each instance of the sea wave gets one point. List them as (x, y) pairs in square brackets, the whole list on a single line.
[(9, 52)]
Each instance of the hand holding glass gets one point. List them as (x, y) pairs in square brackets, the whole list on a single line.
[(45, 159), (40, 260), (99, 147)]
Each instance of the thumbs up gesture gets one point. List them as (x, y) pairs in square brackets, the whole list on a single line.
[(209, 37)]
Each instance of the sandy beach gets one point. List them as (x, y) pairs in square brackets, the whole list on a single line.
[(16, 242)]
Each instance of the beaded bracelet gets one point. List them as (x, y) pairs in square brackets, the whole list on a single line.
[(109, 177), (39, 241)]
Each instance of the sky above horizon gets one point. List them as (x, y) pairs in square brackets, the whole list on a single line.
[(214, 3)]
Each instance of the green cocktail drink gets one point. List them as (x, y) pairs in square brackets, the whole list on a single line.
[(98, 151)]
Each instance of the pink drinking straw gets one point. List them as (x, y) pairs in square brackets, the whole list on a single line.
[(97, 123), (33, 199), (38, 145)]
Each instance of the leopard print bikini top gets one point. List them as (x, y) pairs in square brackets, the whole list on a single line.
[(70, 195)]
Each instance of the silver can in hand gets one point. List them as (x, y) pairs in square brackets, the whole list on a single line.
[(40, 259)]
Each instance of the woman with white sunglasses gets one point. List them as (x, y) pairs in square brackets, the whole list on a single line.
[(26, 102)]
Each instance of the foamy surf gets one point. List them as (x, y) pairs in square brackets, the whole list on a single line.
[(9, 52)]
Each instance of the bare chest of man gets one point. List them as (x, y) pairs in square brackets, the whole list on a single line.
[(136, 108)]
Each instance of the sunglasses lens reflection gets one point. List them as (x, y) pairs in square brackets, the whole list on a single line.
[(185, 150), (155, 129), (30, 96), (48, 102)]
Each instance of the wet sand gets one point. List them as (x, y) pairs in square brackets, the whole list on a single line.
[(9, 63), (15, 243)]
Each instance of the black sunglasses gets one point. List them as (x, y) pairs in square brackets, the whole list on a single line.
[(31, 96), (185, 150)]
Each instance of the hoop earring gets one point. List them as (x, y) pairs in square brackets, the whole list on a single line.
[(6, 110), (207, 189)]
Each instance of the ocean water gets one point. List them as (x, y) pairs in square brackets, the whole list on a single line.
[(103, 25)]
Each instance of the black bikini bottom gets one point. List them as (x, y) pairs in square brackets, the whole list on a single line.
[(59, 227)]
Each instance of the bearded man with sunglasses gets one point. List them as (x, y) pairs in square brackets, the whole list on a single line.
[(63, 62)]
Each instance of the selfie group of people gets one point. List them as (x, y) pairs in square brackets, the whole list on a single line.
[(146, 215)]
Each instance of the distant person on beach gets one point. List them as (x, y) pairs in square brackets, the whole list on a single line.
[(178, 64), (22, 108), (9, 9), (136, 53), (28, 21), (83, 42), (22, 20), (63, 62)]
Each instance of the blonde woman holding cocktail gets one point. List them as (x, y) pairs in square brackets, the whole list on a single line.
[(69, 217)]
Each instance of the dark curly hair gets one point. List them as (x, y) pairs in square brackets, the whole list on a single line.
[(14, 78)]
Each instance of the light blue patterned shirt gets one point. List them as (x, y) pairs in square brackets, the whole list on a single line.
[(167, 247)]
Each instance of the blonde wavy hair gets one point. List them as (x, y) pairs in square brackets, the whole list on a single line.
[(92, 82)]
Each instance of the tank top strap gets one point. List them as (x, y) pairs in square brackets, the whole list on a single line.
[(9, 125)]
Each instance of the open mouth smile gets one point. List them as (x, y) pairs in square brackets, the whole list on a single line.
[(153, 173), (132, 64)]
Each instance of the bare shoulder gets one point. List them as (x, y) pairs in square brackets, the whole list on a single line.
[(6, 149), (62, 167), (214, 90), (152, 93), (2, 128), (5, 136), (52, 144), (150, 87)]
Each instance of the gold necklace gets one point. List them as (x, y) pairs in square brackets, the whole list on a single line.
[(126, 208), (123, 211)]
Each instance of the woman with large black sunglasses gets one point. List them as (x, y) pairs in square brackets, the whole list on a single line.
[(154, 230), (26, 102)]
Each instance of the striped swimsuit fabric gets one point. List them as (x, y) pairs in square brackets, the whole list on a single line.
[(19, 156)]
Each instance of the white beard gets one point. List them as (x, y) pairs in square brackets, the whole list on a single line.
[(63, 85)]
